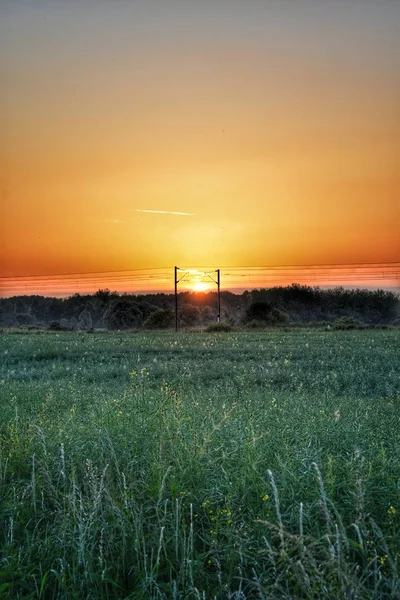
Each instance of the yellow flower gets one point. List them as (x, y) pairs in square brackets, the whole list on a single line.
[(265, 498), (391, 510)]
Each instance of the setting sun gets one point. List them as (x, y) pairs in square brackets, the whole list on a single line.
[(200, 286)]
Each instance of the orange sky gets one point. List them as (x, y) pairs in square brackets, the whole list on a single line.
[(275, 125)]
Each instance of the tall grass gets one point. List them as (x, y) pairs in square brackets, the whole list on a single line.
[(200, 466)]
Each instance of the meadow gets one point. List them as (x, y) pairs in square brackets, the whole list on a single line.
[(237, 465)]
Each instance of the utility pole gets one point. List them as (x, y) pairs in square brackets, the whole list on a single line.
[(176, 298), (219, 295)]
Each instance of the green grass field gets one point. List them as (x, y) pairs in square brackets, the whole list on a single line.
[(200, 466)]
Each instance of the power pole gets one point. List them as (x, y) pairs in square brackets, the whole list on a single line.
[(219, 295), (176, 298)]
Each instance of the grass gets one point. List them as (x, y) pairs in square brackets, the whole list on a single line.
[(225, 465)]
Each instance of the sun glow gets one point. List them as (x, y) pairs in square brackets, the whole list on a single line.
[(200, 286)]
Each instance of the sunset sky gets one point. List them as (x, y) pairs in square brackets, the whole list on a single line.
[(147, 133)]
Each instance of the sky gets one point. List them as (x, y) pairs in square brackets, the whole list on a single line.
[(142, 134)]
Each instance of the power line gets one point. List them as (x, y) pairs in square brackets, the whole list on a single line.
[(83, 273), (232, 267), (159, 280)]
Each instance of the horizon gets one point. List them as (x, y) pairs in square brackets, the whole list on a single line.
[(145, 134), (195, 280)]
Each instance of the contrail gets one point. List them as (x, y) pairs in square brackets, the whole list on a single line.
[(166, 212)]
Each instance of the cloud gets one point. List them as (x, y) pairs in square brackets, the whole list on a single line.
[(166, 212)]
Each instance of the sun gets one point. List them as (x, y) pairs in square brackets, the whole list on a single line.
[(200, 286)]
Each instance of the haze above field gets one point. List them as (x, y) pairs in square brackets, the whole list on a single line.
[(140, 135)]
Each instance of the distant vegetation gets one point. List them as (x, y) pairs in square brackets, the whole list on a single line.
[(278, 306)]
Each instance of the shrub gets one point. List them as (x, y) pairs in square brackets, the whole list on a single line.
[(255, 324), (160, 319), (217, 327), (56, 326), (277, 317), (345, 323), (65, 324), (258, 311)]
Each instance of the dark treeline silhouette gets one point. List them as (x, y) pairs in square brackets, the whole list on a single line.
[(294, 304)]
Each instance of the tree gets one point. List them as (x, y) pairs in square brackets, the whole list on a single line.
[(123, 314), (85, 320), (189, 315), (207, 314), (25, 318)]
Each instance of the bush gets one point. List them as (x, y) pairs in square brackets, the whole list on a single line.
[(345, 323), (56, 326), (217, 327), (255, 324), (160, 319), (258, 311), (277, 317)]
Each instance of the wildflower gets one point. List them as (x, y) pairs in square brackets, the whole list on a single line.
[(391, 510), (265, 497)]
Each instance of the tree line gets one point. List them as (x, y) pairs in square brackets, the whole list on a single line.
[(276, 306)]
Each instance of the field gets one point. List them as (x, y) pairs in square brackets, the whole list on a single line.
[(200, 466)]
